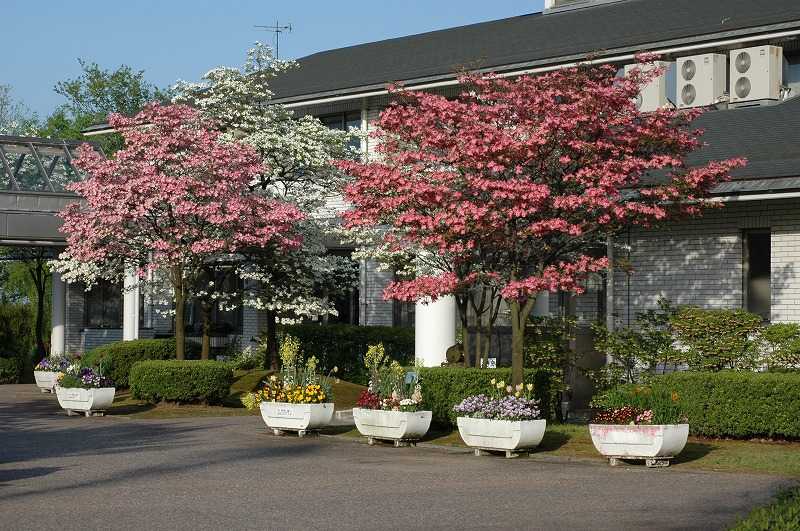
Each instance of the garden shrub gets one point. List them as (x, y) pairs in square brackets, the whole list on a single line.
[(16, 330), (181, 381), (717, 339), (445, 387), (10, 370), (118, 358), (344, 346), (782, 342), (736, 404)]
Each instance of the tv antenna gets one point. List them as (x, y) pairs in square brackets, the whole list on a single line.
[(277, 29)]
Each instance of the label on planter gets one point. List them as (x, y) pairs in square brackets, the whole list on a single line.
[(284, 412)]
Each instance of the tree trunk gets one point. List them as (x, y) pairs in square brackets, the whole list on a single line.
[(180, 311), (40, 283), (271, 359), (205, 352), (463, 309), (519, 318)]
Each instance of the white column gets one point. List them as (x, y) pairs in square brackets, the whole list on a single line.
[(130, 307), (434, 331), (58, 315)]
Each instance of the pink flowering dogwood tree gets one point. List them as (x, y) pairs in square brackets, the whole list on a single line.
[(173, 201), (517, 183)]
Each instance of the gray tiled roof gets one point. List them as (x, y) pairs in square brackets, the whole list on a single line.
[(622, 27)]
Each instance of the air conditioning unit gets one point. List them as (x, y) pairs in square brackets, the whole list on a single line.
[(653, 95), (702, 80), (756, 74)]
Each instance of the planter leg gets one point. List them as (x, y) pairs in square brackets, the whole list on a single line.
[(481, 453), (657, 463), (370, 441), (511, 454), (45, 390), (87, 413), (301, 433), (613, 461), (277, 433)]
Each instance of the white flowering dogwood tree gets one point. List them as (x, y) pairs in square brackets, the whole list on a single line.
[(297, 154)]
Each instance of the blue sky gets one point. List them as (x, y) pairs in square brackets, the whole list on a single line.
[(182, 39)]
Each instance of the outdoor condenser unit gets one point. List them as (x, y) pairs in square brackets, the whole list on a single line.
[(756, 74), (654, 95), (702, 80)]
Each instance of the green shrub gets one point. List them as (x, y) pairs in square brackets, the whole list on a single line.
[(118, 358), (10, 370), (783, 345), (717, 339), (443, 388), (666, 405), (344, 346), (782, 515), (737, 404), (16, 330), (181, 381)]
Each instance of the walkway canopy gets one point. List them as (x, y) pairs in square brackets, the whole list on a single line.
[(30, 164)]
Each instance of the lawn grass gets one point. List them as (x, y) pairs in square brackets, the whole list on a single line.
[(573, 441), (781, 515), (345, 395)]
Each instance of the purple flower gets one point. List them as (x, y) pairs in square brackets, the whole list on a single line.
[(507, 408)]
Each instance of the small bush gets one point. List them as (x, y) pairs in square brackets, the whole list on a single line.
[(181, 381), (443, 388), (717, 339), (10, 370), (783, 345), (16, 330), (782, 515), (740, 405), (344, 346), (118, 358), (666, 405)]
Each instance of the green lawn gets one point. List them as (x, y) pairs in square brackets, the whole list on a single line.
[(573, 441), (345, 396), (781, 515)]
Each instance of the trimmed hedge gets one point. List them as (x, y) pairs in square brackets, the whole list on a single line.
[(10, 370), (738, 404), (181, 381), (344, 346), (443, 388), (118, 358)]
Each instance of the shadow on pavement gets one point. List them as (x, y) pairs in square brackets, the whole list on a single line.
[(14, 474)]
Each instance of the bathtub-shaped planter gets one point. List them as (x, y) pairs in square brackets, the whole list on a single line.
[(87, 401), (507, 436), (655, 444), (281, 417), (45, 380), (402, 427)]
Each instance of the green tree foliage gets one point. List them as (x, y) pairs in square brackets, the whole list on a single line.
[(96, 93), (717, 339)]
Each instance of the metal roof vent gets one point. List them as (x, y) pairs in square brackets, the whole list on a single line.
[(557, 6)]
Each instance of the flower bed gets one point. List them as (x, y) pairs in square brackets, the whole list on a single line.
[(507, 419), (391, 408), (300, 399), (85, 390), (640, 424)]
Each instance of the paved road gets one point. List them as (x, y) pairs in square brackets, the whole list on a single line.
[(114, 473)]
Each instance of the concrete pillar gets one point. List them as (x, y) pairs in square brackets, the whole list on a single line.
[(58, 316), (130, 307), (435, 331)]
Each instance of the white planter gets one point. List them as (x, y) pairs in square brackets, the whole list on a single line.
[(501, 435), (87, 401), (398, 426), (656, 444), (281, 416), (45, 380)]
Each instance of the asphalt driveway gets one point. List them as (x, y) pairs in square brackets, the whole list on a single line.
[(64, 473)]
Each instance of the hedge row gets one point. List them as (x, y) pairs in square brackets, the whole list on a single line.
[(118, 358), (443, 388), (10, 370), (181, 381), (344, 346), (738, 404)]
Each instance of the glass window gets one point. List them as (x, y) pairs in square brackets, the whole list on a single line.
[(345, 121), (103, 306), (758, 270)]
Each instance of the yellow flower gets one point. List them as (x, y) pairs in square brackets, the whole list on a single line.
[(494, 381), (675, 396), (530, 387), (520, 387)]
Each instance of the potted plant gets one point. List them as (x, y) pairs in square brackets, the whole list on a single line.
[(391, 408), (48, 369), (84, 390), (300, 399), (506, 420), (638, 423)]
